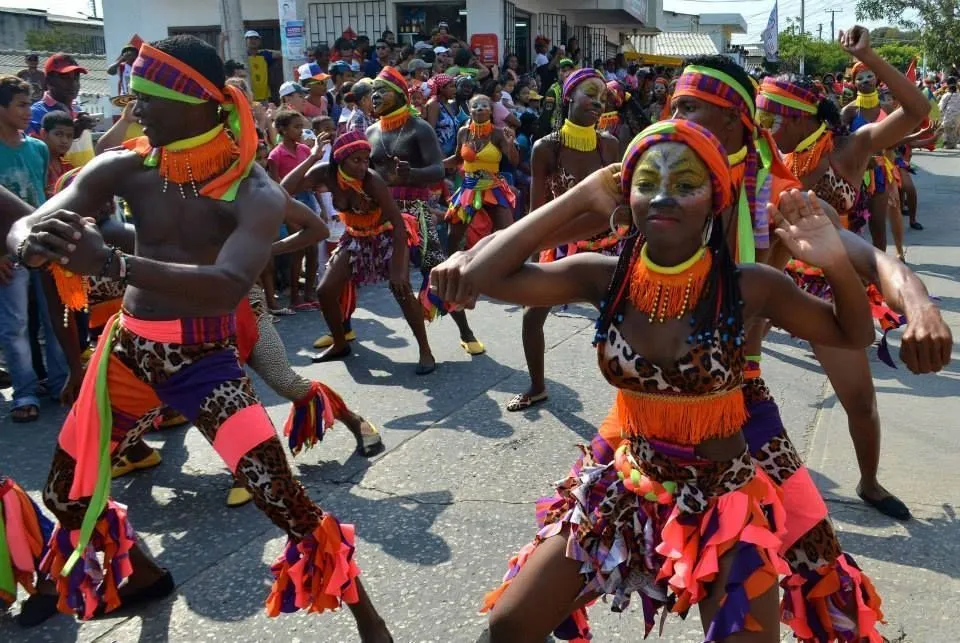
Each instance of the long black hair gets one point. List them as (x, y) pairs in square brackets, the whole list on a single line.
[(719, 310)]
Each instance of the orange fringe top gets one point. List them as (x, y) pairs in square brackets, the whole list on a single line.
[(686, 420)]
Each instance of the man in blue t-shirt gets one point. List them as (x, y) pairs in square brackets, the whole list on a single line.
[(62, 77), (23, 171)]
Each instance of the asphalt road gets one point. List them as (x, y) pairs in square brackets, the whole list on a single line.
[(440, 512)]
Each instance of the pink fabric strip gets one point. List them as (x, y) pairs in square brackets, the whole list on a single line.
[(247, 428), (17, 539), (805, 506), (169, 331)]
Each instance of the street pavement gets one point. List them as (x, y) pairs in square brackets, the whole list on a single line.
[(439, 514)]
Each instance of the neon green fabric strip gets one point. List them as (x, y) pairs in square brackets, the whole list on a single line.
[(143, 86), (8, 584), (101, 492), (790, 102), (725, 78)]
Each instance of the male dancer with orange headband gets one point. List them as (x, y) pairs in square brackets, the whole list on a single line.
[(205, 216)]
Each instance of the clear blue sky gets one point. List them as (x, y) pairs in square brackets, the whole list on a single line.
[(754, 11)]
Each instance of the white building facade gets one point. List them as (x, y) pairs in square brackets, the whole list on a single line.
[(600, 26)]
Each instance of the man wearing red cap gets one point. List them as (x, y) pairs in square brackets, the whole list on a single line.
[(63, 85)]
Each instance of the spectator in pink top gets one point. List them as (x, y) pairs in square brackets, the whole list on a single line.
[(286, 156)]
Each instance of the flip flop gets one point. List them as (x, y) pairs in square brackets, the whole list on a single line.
[(28, 413), (474, 347), (889, 506), (238, 496), (522, 401), (125, 466), (369, 444), (281, 312), (331, 357), (303, 307), (327, 340), (916, 226)]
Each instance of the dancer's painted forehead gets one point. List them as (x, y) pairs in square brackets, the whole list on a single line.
[(865, 75), (671, 159)]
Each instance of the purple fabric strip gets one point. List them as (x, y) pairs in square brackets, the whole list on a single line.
[(186, 390), (763, 424), (736, 605), (673, 450)]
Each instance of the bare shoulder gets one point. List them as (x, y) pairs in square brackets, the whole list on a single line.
[(422, 127), (545, 148), (260, 196), (848, 112), (610, 145)]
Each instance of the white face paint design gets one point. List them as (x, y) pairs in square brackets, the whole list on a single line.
[(670, 181), (865, 77)]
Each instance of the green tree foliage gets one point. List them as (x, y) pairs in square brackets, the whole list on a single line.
[(900, 54), (820, 57), (53, 39), (938, 22)]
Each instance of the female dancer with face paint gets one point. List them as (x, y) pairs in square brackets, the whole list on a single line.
[(613, 121), (559, 161), (682, 514), (832, 166), (478, 151), (866, 111)]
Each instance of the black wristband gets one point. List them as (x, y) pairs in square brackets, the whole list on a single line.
[(105, 270)]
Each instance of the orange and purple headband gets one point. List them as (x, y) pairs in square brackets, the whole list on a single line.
[(784, 98), (575, 79), (156, 73), (704, 144), (717, 88), (349, 143), (395, 79), (616, 94)]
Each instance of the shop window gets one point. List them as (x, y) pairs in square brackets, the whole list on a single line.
[(269, 31), (509, 28), (416, 21), (210, 34), (328, 20)]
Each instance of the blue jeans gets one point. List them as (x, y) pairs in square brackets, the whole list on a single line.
[(15, 341)]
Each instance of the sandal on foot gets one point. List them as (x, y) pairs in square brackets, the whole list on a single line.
[(426, 369), (915, 225), (522, 401), (238, 496), (329, 356), (304, 306), (37, 609), (281, 312), (327, 340), (889, 506), (25, 414), (474, 347), (125, 466), (369, 442)]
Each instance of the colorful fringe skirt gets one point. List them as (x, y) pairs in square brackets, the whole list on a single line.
[(24, 532), (653, 519), (369, 255), (609, 244), (428, 253), (478, 191)]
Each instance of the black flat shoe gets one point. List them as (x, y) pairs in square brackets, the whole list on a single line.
[(37, 609), (158, 590), (916, 226), (889, 506)]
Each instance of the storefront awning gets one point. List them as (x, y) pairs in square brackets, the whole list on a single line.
[(606, 12)]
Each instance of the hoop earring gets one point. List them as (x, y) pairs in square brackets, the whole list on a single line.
[(708, 231), (615, 231)]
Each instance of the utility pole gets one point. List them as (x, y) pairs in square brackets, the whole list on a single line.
[(803, 33), (231, 22), (819, 31), (833, 16)]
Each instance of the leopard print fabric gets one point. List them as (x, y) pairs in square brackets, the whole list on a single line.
[(836, 191), (716, 367), (432, 253), (101, 289), (264, 469)]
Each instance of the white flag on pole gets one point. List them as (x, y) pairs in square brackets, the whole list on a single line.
[(769, 35)]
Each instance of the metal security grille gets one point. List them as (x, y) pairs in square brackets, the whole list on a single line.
[(598, 40), (610, 50), (509, 27), (328, 20), (553, 26)]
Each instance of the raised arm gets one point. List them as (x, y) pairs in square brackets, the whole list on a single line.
[(117, 134), (770, 294), (431, 113), (507, 147), (914, 106), (301, 178)]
